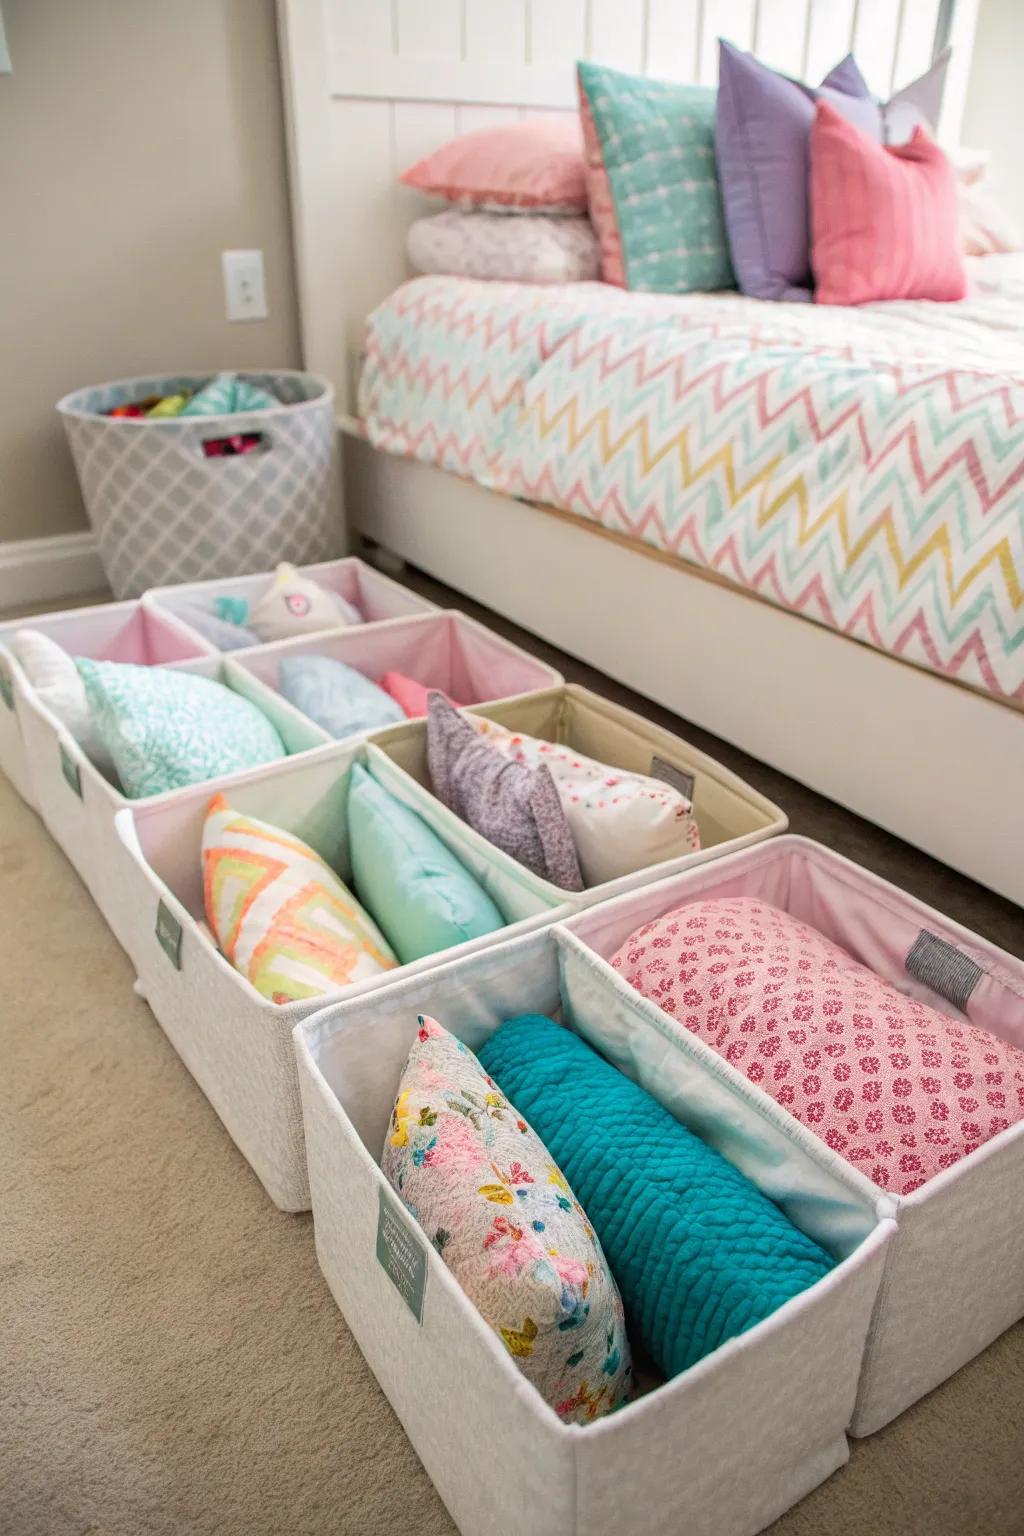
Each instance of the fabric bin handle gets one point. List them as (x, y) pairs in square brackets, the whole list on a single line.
[(233, 445)]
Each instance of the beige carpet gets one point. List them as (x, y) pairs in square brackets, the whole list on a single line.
[(171, 1363)]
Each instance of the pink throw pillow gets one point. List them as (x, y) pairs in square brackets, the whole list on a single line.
[(896, 1088), (409, 694), (533, 164), (884, 218)]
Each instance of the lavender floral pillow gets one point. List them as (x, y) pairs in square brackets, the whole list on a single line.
[(487, 1193), (515, 807), (512, 248)]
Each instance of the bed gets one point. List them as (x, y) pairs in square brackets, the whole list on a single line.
[(861, 467), (748, 554)]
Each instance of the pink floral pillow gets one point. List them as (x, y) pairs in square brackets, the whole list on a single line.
[(537, 163), (896, 1088)]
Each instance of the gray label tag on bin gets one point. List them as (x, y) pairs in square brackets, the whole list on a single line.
[(670, 774), (168, 932), (402, 1256), (944, 968), (71, 771), (6, 687)]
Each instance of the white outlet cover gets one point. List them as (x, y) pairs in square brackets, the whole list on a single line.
[(244, 292)]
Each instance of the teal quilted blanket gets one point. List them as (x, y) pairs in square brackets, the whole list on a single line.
[(699, 1254)]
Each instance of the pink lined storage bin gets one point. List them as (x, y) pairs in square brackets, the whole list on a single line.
[(445, 650), (375, 595), (955, 1274), (132, 631), (78, 803)]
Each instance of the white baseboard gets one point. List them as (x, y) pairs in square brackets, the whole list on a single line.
[(45, 570)]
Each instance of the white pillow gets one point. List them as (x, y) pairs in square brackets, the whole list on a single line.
[(987, 225), (621, 822), (293, 604), (513, 248), (56, 680)]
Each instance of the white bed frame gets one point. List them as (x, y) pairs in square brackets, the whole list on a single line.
[(373, 84)]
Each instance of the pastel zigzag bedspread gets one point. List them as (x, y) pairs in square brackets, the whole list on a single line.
[(864, 468)]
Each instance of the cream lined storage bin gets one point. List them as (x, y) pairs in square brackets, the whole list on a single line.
[(955, 1274), (134, 632), (445, 650), (375, 595), (78, 803), (730, 813), (720, 1450), (234, 1041)]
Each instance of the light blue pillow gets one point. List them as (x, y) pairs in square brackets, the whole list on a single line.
[(165, 730), (418, 892), (337, 698)]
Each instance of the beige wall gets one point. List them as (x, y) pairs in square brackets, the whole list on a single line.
[(138, 139), (994, 112)]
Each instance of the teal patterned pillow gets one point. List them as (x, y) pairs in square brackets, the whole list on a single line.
[(167, 729), (653, 182)]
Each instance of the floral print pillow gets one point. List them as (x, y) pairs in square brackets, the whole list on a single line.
[(500, 1213)]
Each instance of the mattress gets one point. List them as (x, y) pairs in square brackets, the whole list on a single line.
[(861, 467)]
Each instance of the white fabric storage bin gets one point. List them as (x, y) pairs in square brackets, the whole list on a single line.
[(720, 1450), (731, 814), (78, 803), (440, 650), (375, 595), (130, 631), (234, 1041), (955, 1275)]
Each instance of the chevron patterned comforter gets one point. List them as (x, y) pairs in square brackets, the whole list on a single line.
[(864, 467)]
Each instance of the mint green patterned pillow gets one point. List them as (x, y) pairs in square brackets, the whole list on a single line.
[(167, 729), (227, 394), (652, 181)]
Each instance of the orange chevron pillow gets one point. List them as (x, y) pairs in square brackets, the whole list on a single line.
[(280, 914)]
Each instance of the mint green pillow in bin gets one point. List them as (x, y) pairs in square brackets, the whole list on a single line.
[(165, 730), (420, 896), (655, 143)]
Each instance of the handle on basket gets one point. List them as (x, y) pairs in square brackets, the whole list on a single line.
[(235, 444)]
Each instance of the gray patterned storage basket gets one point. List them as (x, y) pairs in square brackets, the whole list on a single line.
[(165, 513)]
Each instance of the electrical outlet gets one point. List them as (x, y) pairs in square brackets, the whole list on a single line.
[(244, 294)]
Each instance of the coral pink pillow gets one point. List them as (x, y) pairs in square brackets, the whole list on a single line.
[(532, 164), (884, 218), (409, 694), (894, 1087)]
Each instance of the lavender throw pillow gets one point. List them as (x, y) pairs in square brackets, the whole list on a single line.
[(762, 143), (918, 103), (516, 808)]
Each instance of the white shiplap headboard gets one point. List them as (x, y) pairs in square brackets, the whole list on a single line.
[(373, 85)]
